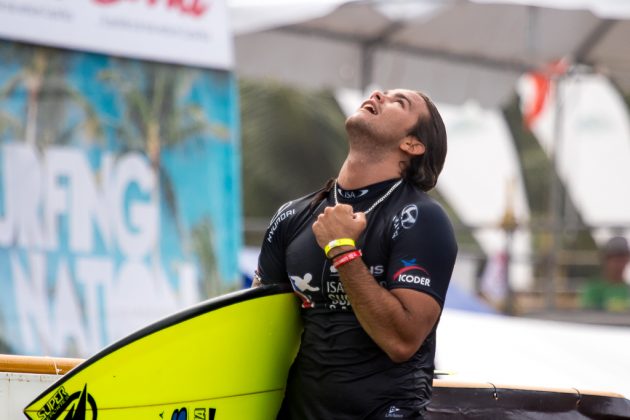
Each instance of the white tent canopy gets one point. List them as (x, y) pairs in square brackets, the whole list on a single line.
[(455, 50)]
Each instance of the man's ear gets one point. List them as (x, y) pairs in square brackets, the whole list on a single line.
[(412, 146)]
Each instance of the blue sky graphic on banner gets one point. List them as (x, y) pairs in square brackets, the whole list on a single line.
[(119, 195)]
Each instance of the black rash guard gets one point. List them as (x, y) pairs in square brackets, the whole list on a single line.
[(339, 372)]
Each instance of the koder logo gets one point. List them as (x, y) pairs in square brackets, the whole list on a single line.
[(418, 275), (410, 278)]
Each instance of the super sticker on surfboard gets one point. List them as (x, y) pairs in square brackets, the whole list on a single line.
[(225, 359)]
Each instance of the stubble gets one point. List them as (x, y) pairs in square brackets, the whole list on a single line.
[(364, 139)]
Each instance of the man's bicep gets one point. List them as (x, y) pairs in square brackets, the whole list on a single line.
[(423, 309), (272, 261), (271, 265)]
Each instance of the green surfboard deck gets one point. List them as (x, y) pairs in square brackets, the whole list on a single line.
[(225, 359)]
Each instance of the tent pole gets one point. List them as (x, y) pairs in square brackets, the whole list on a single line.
[(555, 201), (367, 62)]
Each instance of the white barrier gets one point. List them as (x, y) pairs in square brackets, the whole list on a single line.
[(19, 389)]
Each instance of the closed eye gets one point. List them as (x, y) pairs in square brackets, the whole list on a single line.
[(404, 101)]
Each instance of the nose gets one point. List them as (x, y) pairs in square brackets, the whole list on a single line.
[(378, 96)]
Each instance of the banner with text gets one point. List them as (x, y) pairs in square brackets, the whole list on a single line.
[(190, 32), (119, 195)]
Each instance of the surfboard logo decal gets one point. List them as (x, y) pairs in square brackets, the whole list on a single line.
[(54, 404), (180, 414), (57, 404), (198, 413)]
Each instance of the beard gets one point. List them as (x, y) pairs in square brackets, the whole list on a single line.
[(356, 126), (364, 137)]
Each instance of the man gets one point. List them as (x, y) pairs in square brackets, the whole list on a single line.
[(610, 292), (368, 347)]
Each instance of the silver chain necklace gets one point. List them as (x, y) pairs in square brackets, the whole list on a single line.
[(377, 202)]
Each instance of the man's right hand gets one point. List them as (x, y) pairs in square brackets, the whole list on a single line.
[(256, 281)]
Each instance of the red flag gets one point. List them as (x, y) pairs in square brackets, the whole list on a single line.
[(542, 81)]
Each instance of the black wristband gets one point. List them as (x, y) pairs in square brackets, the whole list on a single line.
[(342, 253)]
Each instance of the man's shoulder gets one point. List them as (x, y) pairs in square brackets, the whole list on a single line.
[(288, 215), (413, 211), (413, 199), (295, 206)]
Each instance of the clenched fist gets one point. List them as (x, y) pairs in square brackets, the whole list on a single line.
[(338, 222)]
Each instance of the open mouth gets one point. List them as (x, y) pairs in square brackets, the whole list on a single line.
[(368, 106)]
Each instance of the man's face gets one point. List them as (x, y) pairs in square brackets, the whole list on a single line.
[(387, 117)]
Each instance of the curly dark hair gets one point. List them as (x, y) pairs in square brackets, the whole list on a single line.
[(424, 170)]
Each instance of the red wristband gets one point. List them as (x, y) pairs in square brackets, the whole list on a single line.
[(346, 258)]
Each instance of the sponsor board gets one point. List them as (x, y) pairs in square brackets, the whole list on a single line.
[(189, 32)]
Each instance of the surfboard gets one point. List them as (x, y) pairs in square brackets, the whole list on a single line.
[(224, 359)]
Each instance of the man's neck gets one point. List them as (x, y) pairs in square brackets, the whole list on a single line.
[(360, 170)]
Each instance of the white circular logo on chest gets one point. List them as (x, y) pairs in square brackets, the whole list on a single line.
[(408, 216)]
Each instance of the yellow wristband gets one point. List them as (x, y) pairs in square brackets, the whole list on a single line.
[(338, 242)]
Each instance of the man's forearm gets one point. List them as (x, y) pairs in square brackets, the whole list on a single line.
[(386, 319)]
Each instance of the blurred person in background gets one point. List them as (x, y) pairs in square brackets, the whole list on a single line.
[(370, 256), (610, 292)]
